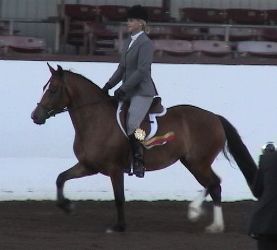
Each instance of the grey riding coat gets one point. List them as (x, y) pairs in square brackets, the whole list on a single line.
[(134, 70)]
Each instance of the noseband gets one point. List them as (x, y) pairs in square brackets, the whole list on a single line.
[(51, 112)]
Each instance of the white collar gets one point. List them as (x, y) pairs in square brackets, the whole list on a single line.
[(134, 37)]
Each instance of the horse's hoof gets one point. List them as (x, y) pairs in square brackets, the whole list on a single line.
[(66, 205), (116, 228), (215, 228), (194, 213)]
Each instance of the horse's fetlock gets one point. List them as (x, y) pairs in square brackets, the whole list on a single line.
[(66, 205)]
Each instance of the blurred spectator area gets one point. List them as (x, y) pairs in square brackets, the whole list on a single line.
[(101, 29), (177, 28), (96, 28), (13, 40), (23, 44)]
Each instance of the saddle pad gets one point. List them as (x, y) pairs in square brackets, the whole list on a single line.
[(150, 125), (159, 140)]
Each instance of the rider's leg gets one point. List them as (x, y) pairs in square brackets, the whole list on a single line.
[(137, 150), (139, 106)]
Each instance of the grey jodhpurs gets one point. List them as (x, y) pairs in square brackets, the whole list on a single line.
[(139, 106)]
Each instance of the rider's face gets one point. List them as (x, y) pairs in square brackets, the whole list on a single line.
[(134, 25)]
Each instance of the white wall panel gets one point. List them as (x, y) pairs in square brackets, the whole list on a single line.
[(37, 154)]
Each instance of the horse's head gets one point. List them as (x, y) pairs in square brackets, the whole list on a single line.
[(54, 99)]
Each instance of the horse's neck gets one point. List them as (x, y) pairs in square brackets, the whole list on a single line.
[(88, 103), (81, 90)]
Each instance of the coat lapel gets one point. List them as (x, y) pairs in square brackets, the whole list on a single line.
[(126, 45), (138, 41)]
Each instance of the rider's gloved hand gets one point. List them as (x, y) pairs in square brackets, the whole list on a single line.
[(119, 94)]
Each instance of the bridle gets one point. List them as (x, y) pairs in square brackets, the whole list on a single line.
[(47, 111), (53, 112)]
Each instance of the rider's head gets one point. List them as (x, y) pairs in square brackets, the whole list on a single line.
[(137, 18)]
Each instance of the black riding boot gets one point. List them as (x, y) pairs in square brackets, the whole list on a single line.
[(137, 150)]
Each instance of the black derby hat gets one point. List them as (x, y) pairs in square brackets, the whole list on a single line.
[(137, 12)]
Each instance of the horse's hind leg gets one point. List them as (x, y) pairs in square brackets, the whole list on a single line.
[(76, 171), (214, 190), (195, 207), (211, 182)]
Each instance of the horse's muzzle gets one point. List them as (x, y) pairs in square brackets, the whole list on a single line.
[(39, 115)]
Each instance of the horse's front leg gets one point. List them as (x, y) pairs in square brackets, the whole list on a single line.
[(117, 178), (77, 171)]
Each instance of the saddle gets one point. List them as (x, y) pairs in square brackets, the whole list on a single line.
[(149, 125)]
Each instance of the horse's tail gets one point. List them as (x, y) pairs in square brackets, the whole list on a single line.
[(239, 151)]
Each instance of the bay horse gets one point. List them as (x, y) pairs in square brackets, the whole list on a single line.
[(101, 147)]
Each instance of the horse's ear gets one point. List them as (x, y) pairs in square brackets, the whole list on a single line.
[(51, 69), (60, 70)]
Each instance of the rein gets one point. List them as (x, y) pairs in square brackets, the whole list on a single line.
[(53, 112), (67, 109)]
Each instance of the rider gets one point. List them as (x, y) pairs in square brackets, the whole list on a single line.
[(134, 71)]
